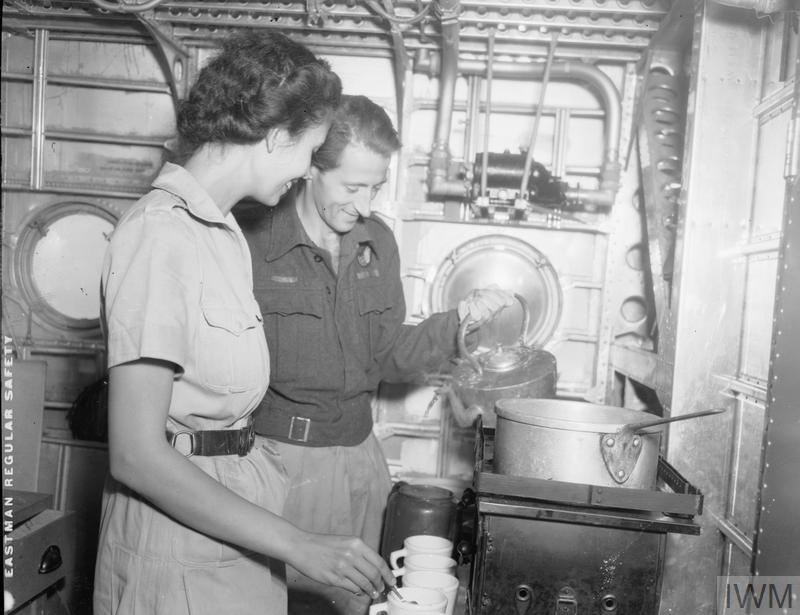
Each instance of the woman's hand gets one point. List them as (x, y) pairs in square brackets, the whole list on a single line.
[(482, 304), (342, 561)]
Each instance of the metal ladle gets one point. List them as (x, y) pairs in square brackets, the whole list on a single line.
[(620, 450)]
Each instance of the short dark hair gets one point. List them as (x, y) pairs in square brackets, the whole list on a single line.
[(357, 120), (259, 80)]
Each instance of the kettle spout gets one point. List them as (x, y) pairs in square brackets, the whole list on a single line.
[(465, 417)]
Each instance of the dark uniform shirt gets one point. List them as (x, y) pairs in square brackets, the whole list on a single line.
[(333, 338)]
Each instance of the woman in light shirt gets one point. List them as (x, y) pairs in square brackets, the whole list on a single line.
[(191, 512)]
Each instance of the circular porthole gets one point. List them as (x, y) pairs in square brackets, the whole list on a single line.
[(58, 259), (511, 264)]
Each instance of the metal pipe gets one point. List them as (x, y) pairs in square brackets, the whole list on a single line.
[(37, 121), (760, 6), (92, 82), (791, 165), (599, 82), (86, 137), (132, 194), (529, 154), (580, 71), (471, 109), (560, 145), (488, 115), (124, 7), (439, 183)]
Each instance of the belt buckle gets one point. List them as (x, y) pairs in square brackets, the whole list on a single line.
[(173, 442), (247, 437), (299, 424)]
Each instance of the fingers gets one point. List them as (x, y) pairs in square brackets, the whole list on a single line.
[(347, 562), (483, 304), (371, 572), (361, 581), (376, 562)]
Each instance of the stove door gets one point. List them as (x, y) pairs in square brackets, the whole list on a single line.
[(529, 566)]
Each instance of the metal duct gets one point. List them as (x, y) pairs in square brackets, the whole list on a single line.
[(596, 79)]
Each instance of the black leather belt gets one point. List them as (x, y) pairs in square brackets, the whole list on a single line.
[(350, 429), (212, 442), (288, 428)]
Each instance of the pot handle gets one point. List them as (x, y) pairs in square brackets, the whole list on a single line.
[(642, 425), (620, 450), (462, 334)]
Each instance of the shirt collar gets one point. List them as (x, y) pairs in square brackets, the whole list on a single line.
[(178, 181), (288, 232)]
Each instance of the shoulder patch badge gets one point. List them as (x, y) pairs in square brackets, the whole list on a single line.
[(364, 255)]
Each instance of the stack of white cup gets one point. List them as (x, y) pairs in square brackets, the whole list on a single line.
[(426, 564)]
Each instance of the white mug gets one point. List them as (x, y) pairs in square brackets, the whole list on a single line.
[(426, 561), (446, 583), (421, 543), (428, 602)]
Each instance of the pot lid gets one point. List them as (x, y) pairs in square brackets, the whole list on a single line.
[(504, 358), (569, 415), (513, 265)]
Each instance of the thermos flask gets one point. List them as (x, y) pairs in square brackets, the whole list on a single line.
[(417, 509)]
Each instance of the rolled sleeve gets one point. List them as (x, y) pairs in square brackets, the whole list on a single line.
[(149, 281)]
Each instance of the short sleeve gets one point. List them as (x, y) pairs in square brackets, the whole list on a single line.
[(151, 286)]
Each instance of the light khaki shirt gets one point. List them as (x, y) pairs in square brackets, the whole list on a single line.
[(177, 286)]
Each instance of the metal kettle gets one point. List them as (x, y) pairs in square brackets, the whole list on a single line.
[(513, 371)]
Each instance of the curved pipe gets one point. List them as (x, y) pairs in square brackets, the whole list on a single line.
[(600, 83), (122, 7), (596, 79)]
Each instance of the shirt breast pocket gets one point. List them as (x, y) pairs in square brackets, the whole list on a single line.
[(229, 353), (295, 329), (371, 301)]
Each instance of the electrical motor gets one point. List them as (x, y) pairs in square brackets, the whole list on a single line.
[(504, 177)]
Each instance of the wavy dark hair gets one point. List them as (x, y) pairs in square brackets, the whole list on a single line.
[(357, 120), (259, 80)]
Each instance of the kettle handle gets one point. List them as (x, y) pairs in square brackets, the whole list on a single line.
[(462, 335)]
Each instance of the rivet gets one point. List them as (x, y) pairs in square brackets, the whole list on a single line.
[(620, 473), (610, 442)]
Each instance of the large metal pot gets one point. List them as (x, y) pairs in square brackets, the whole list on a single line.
[(480, 380), (575, 442)]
